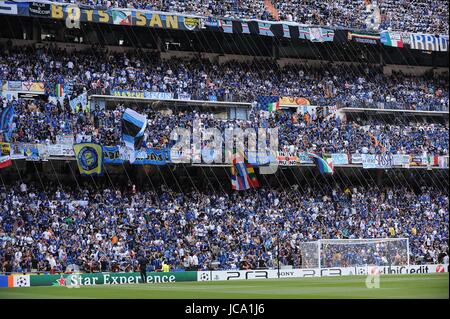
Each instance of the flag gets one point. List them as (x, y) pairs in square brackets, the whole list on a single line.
[(264, 29), (133, 128), (263, 101), (433, 160), (327, 35), (363, 37), (274, 106), (5, 158), (443, 161), (59, 90), (89, 158), (79, 100), (5, 161), (5, 149), (6, 120), (315, 35), (392, 39), (227, 26), (324, 164), (121, 17), (243, 175)]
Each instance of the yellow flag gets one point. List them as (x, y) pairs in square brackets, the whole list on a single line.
[(5, 149), (89, 158)]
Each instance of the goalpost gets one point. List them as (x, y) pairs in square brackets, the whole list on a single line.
[(328, 253)]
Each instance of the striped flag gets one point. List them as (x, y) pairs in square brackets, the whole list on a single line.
[(264, 101), (5, 161), (133, 128), (363, 37), (243, 175), (59, 90), (325, 165), (393, 39), (274, 106)]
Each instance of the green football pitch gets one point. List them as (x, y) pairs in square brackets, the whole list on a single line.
[(391, 286)]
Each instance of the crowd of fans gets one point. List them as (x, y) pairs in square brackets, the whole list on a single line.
[(38, 121), (356, 86), (429, 16), (41, 122), (47, 227)]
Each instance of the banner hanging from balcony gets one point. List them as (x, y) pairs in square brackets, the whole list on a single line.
[(148, 156), (72, 15)]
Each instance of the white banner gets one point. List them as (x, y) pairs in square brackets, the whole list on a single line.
[(305, 158), (400, 160), (428, 42), (339, 158), (60, 150), (377, 160), (316, 272), (368, 160), (43, 152), (394, 270), (184, 96), (21, 280), (158, 95), (286, 159), (356, 158), (66, 139)]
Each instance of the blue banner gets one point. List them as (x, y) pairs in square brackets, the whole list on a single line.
[(6, 119), (151, 156), (31, 152), (111, 155)]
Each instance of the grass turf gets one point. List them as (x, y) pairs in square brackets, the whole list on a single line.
[(391, 286)]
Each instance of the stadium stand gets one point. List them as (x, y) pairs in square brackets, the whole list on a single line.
[(44, 228), (65, 86), (358, 86), (40, 122), (407, 15)]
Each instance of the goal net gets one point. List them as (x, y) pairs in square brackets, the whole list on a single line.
[(327, 253)]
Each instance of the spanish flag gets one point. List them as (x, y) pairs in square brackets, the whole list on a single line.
[(89, 158)]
